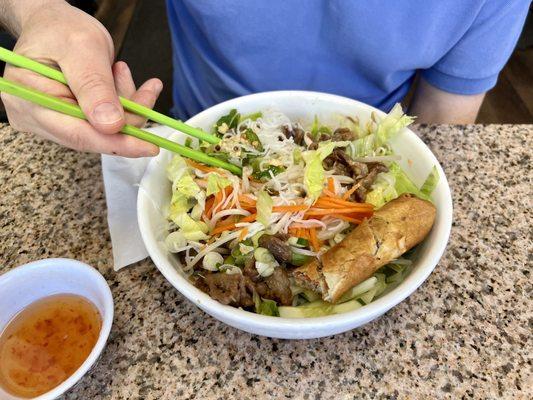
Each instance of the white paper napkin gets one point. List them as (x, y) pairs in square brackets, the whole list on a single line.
[(122, 177)]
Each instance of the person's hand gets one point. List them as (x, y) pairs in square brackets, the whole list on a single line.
[(63, 36)]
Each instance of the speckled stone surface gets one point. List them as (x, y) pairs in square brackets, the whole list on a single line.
[(466, 333)]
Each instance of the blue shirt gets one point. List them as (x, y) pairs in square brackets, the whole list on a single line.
[(367, 50)]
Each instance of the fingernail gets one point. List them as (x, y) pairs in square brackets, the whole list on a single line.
[(154, 151), (107, 113), (158, 86)]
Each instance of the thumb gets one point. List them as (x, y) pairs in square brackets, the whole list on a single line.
[(89, 76)]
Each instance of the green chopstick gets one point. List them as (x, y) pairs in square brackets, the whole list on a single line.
[(32, 65), (74, 110)]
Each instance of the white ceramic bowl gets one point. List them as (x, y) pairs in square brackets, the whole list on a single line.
[(417, 160), (31, 282)]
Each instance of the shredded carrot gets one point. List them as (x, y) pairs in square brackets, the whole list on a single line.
[(209, 206), (298, 232), (227, 191), (328, 193), (347, 195), (348, 219), (347, 203), (201, 167), (246, 200), (243, 234), (331, 185), (347, 210), (294, 208), (218, 199), (313, 239), (335, 202), (304, 233), (324, 202), (228, 227)]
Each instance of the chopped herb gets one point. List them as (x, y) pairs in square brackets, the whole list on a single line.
[(253, 139), (299, 259), (252, 116), (226, 123), (265, 174)]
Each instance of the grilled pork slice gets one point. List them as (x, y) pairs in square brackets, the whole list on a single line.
[(393, 229)]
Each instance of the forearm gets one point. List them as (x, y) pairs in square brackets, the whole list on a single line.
[(14, 13), (432, 105)]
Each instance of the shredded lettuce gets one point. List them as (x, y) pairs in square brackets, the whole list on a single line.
[(265, 306), (316, 129), (389, 185), (356, 297), (391, 124), (186, 194), (430, 183), (191, 229), (264, 207), (215, 183), (314, 177), (179, 204), (176, 168), (186, 186), (385, 130)]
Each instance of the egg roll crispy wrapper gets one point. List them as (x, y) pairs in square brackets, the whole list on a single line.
[(393, 229)]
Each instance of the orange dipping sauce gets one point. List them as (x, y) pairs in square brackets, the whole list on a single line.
[(46, 343)]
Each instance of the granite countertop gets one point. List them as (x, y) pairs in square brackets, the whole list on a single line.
[(465, 333)]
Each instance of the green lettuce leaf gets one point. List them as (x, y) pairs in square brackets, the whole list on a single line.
[(389, 185), (191, 229), (215, 183), (391, 124), (186, 186), (431, 182), (265, 306), (264, 207), (317, 129), (180, 204), (176, 168), (314, 176), (385, 130), (185, 194)]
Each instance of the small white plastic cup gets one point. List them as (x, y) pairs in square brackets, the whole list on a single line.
[(36, 280)]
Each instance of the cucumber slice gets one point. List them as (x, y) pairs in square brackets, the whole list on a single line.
[(310, 295), (318, 308), (360, 289), (369, 296)]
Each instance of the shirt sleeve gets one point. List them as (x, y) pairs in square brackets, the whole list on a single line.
[(472, 65)]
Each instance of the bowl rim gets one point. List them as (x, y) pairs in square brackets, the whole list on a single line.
[(107, 318), (241, 317)]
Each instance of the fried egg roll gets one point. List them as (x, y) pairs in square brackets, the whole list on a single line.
[(393, 229)]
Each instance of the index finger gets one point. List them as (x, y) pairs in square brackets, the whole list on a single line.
[(89, 75)]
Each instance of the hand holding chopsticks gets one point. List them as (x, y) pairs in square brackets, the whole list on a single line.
[(64, 107)]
